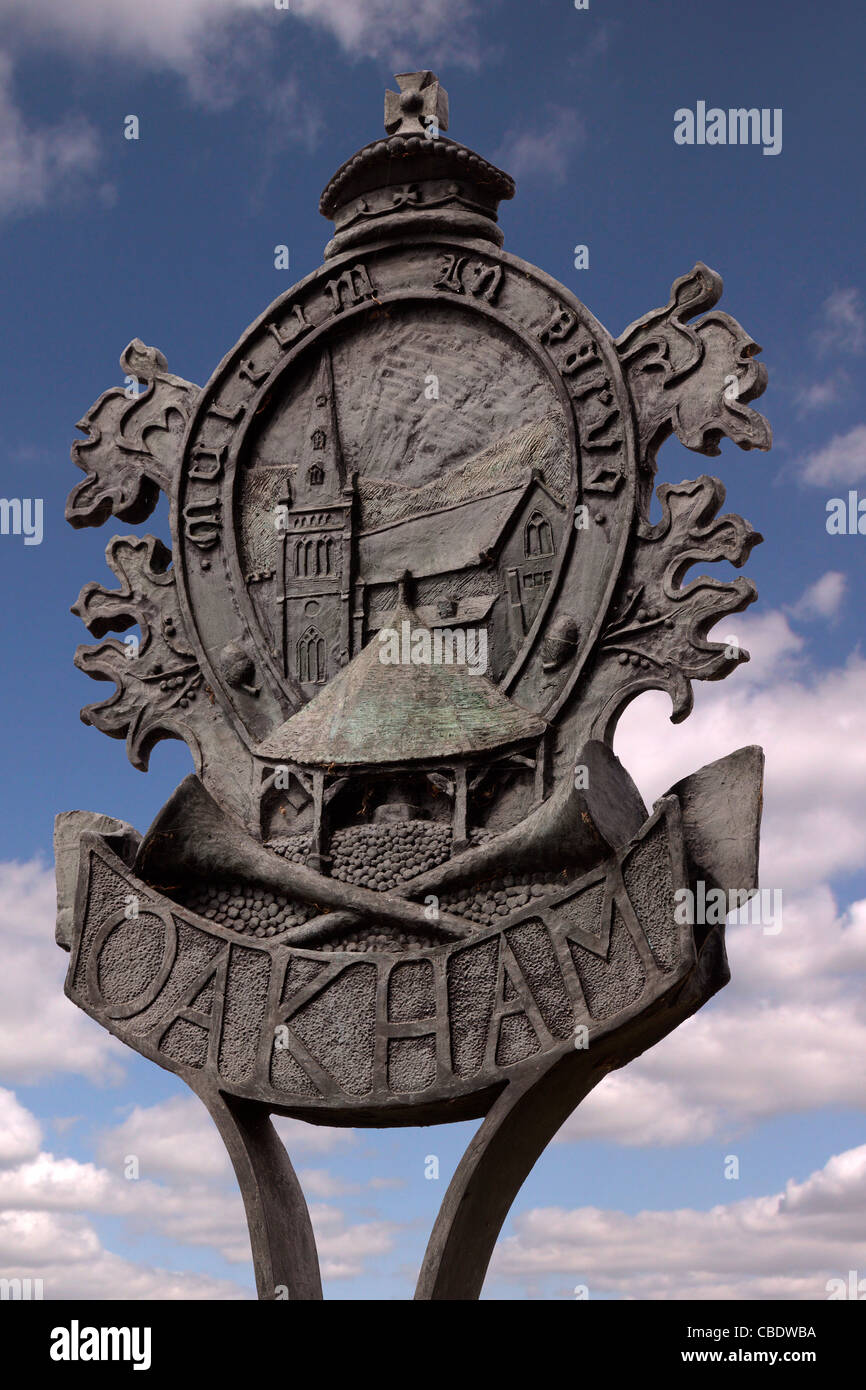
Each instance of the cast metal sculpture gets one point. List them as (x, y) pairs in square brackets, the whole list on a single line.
[(413, 584)]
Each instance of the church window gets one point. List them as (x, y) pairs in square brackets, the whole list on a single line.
[(324, 555), (318, 438), (538, 536), (307, 559), (538, 579), (316, 475), (311, 657)]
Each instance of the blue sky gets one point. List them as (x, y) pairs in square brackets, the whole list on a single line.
[(245, 112)]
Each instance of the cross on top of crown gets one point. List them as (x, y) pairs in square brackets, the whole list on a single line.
[(420, 104)]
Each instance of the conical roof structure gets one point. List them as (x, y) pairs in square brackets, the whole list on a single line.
[(374, 713)]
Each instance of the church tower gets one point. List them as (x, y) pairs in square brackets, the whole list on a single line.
[(316, 552)]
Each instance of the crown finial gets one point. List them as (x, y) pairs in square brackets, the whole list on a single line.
[(415, 180), (419, 108)]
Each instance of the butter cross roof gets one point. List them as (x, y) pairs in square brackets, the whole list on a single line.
[(375, 713)]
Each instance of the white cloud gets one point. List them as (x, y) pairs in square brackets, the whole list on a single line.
[(840, 462), (176, 1138), (20, 1132), (345, 1249), (62, 1123), (777, 1041), (224, 50), (843, 322), (796, 1004), (50, 1183), (38, 164), (164, 33), (817, 395), (300, 1137), (379, 28), (775, 650), (30, 1237), (787, 1245), (66, 1253), (45, 1231), (195, 1201), (543, 153), (41, 1032), (202, 38), (809, 724), (199, 1206), (823, 599), (318, 1182)]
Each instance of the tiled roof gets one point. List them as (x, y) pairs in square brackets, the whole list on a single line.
[(374, 713)]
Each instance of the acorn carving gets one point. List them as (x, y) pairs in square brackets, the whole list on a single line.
[(238, 667)]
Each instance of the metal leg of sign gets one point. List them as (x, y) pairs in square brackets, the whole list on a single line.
[(281, 1234), (521, 1123), (505, 1149)]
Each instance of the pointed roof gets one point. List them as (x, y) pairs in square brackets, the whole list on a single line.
[(456, 539), (541, 446), (374, 713), (321, 445)]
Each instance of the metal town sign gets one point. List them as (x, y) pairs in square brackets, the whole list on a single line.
[(413, 584)]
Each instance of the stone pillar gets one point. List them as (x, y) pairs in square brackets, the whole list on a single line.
[(459, 836)]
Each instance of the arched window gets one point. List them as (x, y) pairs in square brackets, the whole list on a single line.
[(307, 559), (314, 557), (316, 476), (311, 657), (538, 536), (318, 438)]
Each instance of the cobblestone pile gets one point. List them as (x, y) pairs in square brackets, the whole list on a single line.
[(499, 897), (381, 856), (246, 908)]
